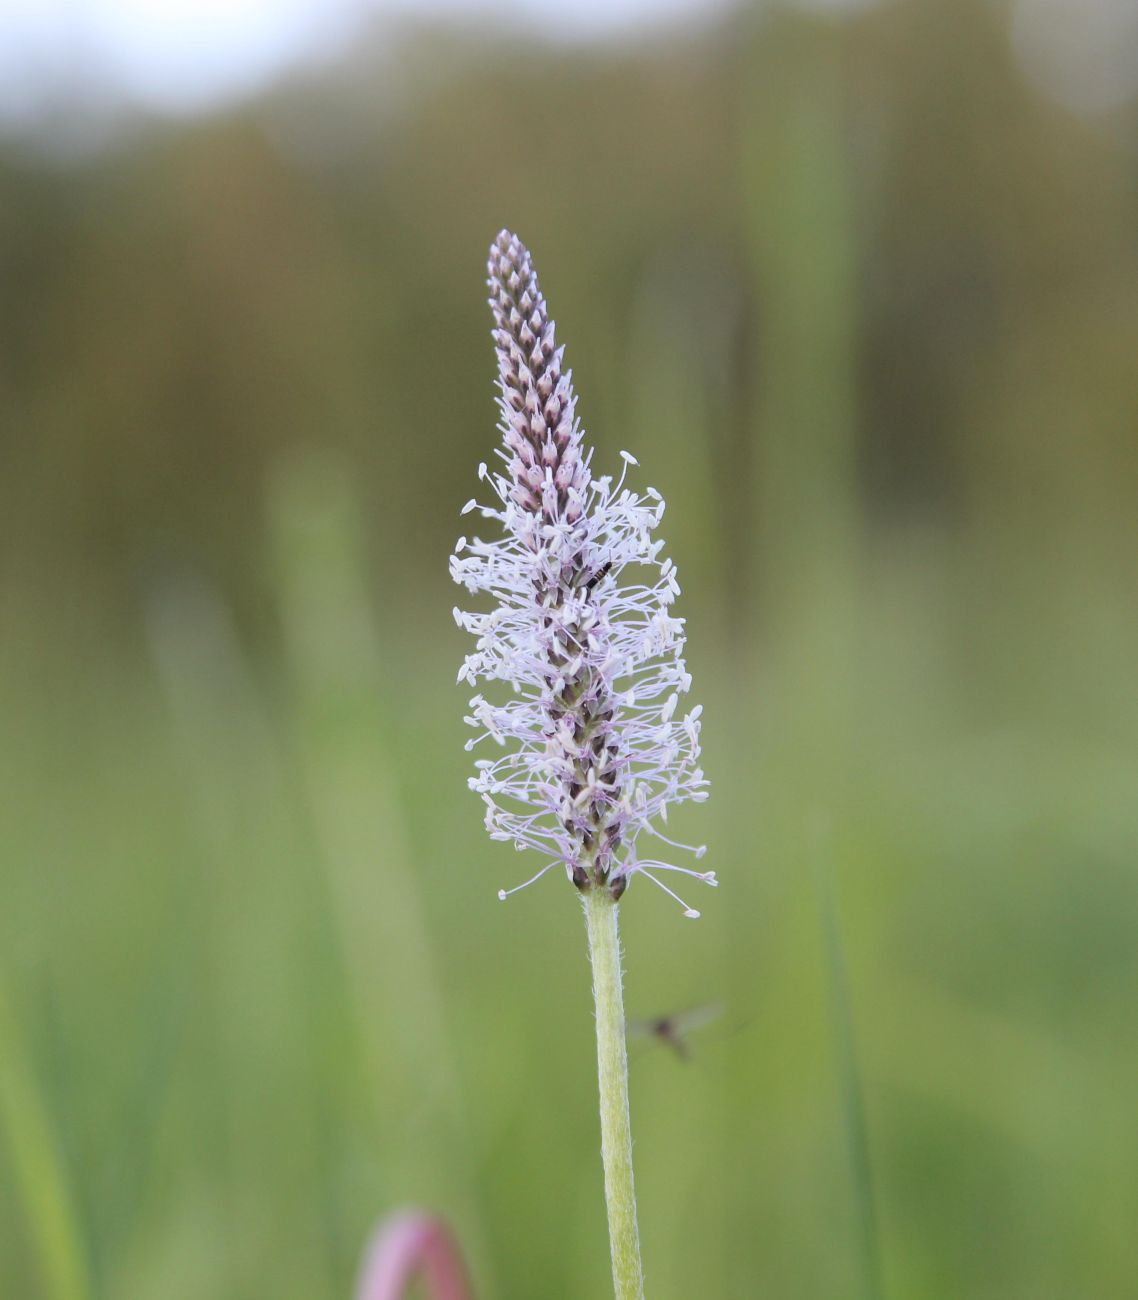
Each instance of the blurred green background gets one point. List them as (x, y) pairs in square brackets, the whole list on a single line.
[(862, 296)]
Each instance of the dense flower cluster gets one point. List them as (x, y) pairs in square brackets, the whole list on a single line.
[(595, 744)]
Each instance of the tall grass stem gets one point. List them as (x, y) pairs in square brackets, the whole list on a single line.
[(850, 1081), (39, 1172)]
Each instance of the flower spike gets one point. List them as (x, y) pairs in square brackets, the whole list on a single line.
[(592, 744)]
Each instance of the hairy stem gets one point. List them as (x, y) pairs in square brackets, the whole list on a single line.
[(612, 1068)]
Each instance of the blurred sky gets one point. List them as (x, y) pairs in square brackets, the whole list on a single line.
[(182, 55), (185, 55)]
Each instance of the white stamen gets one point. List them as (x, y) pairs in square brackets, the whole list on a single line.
[(708, 877), (503, 894), (688, 911)]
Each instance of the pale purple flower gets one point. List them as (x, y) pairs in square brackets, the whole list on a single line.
[(595, 743)]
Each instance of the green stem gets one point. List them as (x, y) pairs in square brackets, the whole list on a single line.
[(612, 1070)]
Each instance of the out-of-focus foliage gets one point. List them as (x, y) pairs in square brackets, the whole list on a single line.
[(865, 305)]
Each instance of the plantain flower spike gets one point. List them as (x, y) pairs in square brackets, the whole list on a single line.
[(581, 651)]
